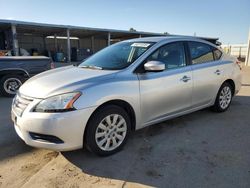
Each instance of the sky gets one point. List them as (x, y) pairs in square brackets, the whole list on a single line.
[(227, 19)]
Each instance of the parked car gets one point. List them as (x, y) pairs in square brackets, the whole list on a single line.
[(122, 88), (15, 70)]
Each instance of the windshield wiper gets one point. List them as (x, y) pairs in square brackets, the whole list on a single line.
[(91, 67)]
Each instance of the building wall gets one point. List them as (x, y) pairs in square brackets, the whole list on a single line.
[(29, 42), (100, 44), (85, 43)]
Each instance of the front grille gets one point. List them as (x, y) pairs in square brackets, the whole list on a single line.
[(20, 103)]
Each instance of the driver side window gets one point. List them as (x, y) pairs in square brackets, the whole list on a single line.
[(172, 55)]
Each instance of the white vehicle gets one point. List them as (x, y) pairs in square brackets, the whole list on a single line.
[(122, 88)]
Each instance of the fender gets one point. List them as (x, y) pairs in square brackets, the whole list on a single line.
[(14, 70)]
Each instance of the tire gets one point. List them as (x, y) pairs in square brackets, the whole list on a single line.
[(9, 85), (223, 98), (103, 138)]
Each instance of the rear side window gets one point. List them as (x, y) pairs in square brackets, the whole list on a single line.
[(200, 52), (217, 54)]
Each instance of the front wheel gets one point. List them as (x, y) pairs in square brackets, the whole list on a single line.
[(224, 98), (107, 130)]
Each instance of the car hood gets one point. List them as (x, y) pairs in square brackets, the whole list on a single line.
[(63, 80)]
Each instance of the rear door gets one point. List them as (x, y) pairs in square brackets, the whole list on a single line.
[(207, 73)]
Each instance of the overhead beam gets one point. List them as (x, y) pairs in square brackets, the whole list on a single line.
[(125, 37), (95, 34)]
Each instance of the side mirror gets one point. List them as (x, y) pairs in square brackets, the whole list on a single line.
[(154, 66)]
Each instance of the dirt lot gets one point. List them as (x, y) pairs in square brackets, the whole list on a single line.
[(202, 149)]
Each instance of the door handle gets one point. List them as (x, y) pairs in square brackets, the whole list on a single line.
[(217, 72), (185, 78)]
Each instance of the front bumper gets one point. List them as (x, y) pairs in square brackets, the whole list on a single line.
[(67, 126)]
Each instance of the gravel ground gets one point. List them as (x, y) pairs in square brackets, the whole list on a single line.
[(202, 149)]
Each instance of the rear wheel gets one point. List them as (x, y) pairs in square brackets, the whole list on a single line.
[(224, 98), (9, 84), (107, 130)]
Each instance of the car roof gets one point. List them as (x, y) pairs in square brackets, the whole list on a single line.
[(166, 38)]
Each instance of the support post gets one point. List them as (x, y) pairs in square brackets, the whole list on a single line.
[(55, 42), (68, 47), (109, 37), (240, 52), (14, 40), (140, 36), (93, 44), (247, 61), (78, 44), (44, 43)]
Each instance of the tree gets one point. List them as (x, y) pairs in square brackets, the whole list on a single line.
[(132, 29)]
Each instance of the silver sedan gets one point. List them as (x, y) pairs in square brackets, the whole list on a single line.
[(124, 87)]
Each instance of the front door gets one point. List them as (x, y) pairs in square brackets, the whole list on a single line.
[(168, 92)]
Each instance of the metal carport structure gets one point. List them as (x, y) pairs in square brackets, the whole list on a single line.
[(42, 36), (20, 32)]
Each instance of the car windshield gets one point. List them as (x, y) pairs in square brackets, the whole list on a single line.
[(117, 56)]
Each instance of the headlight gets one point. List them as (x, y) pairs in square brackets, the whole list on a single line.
[(58, 103)]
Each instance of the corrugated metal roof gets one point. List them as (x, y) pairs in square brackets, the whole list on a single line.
[(25, 24)]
